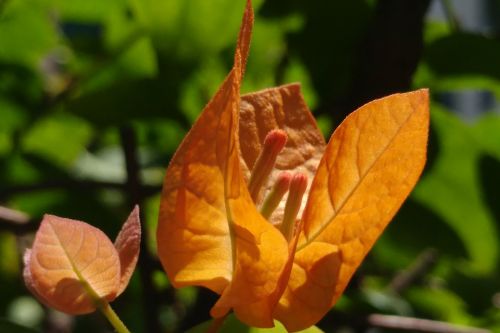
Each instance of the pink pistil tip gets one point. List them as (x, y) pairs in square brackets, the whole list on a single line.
[(273, 144), (298, 184), (283, 182), (298, 187), (275, 141)]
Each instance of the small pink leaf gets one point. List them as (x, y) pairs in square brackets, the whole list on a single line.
[(72, 265), (28, 278), (128, 243)]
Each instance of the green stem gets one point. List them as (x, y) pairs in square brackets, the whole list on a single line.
[(113, 318)]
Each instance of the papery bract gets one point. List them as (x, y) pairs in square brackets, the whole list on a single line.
[(211, 233), (72, 265)]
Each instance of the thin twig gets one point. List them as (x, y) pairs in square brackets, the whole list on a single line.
[(420, 267), (73, 184), (419, 325), (15, 221), (146, 261)]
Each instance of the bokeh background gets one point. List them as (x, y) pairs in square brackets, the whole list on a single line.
[(96, 95)]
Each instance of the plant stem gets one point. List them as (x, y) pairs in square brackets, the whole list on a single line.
[(216, 324), (113, 318)]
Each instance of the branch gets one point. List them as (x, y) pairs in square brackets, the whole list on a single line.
[(420, 267), (72, 184), (387, 57), (151, 299), (419, 325), (17, 222)]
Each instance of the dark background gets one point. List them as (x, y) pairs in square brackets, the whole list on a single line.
[(96, 95)]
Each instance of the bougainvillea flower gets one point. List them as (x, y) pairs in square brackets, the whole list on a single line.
[(73, 265), (227, 224)]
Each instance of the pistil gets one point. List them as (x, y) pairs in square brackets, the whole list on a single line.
[(274, 197), (298, 186), (273, 144)]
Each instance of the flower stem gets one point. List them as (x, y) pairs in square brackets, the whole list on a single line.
[(113, 318), (216, 325)]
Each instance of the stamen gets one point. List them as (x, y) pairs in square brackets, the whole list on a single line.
[(277, 192), (298, 187), (273, 144)]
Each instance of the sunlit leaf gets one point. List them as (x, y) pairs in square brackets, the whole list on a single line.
[(210, 232), (371, 164), (44, 138), (73, 265), (128, 244), (26, 33)]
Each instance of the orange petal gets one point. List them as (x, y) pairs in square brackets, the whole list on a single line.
[(312, 284), (371, 164), (210, 232), (284, 108), (71, 265), (268, 305), (127, 244)]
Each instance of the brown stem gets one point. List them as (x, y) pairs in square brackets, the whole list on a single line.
[(15, 221), (72, 184), (420, 267), (419, 325), (387, 57), (146, 261)]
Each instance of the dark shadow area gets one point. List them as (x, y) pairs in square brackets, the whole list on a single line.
[(200, 311), (416, 227), (489, 169)]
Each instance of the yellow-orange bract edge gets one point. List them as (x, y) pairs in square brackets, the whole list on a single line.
[(211, 234)]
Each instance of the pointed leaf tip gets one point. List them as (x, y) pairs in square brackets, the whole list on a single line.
[(70, 265), (207, 215), (128, 243), (244, 37)]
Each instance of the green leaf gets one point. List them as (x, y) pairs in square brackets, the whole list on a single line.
[(60, 138), (460, 61), (192, 28), (464, 54), (452, 190), (26, 33), (440, 304), (231, 325)]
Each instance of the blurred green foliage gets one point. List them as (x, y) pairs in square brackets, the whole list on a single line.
[(75, 75)]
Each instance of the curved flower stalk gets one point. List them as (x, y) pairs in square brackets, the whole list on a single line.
[(258, 208), (73, 267)]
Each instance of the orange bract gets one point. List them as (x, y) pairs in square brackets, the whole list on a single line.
[(211, 233), (73, 265)]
